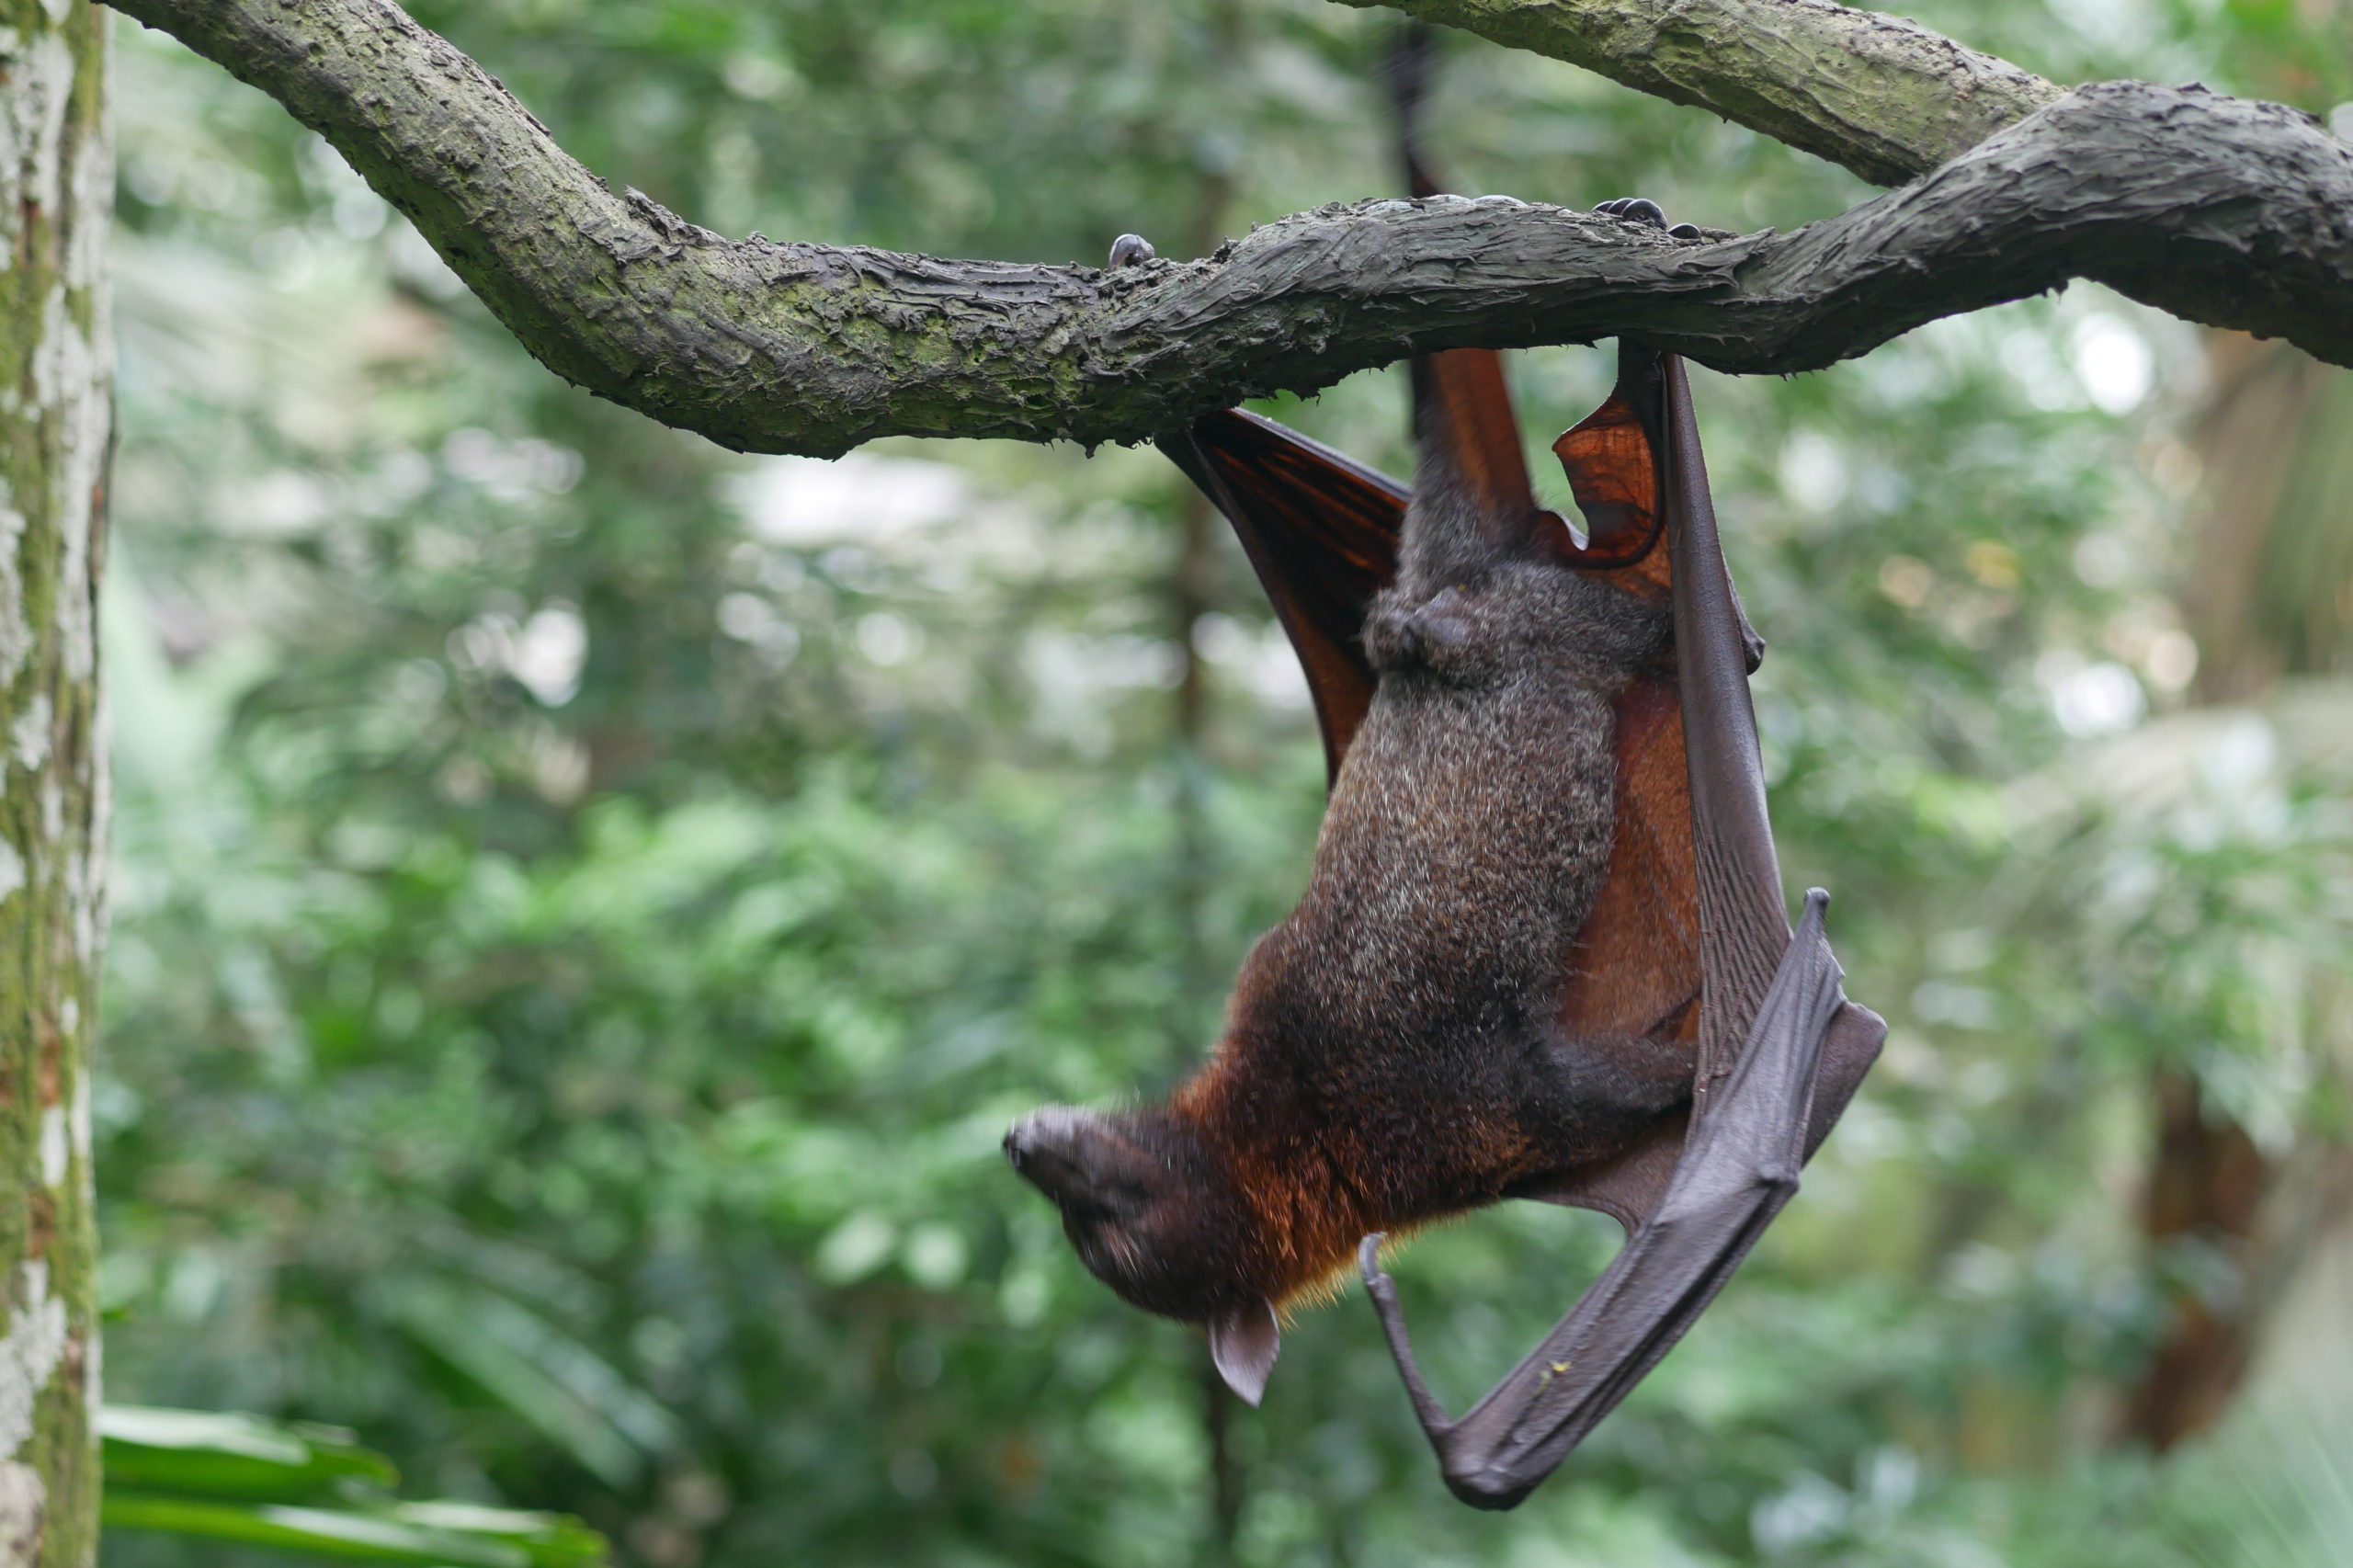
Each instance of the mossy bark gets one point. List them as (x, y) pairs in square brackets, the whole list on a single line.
[(56, 373)]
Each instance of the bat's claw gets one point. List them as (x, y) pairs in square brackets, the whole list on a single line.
[(1636, 209), (1643, 210), (1129, 249), (1384, 1292)]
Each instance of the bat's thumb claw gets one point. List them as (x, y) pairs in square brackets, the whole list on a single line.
[(1368, 1256)]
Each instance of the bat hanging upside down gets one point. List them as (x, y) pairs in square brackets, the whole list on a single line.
[(1543, 951)]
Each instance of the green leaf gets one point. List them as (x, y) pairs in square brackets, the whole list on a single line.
[(553, 1540), (321, 1531), (436, 1535), (229, 1454), (225, 1475)]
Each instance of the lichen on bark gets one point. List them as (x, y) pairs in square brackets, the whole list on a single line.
[(56, 373)]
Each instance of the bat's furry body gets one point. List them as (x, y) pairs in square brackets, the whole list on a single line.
[(1392, 1054), (1406, 1010), (1542, 951)]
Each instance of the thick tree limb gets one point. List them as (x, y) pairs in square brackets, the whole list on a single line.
[(2226, 211), (1884, 97)]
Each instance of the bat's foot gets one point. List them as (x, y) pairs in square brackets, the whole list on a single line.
[(1129, 249), (1643, 210)]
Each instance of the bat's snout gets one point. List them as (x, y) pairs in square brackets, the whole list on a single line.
[(1140, 1204), (1058, 1150)]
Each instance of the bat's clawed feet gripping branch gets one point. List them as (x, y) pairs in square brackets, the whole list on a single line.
[(1739, 1167), (1643, 210)]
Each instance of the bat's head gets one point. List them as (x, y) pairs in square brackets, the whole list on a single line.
[(1150, 1208)]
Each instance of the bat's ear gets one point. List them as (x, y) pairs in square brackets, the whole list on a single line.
[(1243, 1341)]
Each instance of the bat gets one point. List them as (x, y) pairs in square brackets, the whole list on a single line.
[(1543, 952)]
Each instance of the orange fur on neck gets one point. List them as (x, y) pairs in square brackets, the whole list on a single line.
[(1306, 1215)]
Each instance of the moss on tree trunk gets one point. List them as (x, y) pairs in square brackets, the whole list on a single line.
[(56, 369)]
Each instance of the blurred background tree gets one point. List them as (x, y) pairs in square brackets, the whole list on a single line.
[(587, 905)]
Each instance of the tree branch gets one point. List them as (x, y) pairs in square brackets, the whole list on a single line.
[(1881, 96), (2224, 210)]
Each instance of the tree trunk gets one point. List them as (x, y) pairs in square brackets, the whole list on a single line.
[(2207, 1188), (55, 416), (2271, 595)]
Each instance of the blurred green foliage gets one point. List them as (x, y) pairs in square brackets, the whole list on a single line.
[(588, 905), (303, 1488)]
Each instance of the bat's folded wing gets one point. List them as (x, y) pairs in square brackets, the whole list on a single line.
[(1693, 850), (1322, 529), (1688, 941), (1739, 1169)]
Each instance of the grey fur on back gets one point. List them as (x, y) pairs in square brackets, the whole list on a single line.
[(1470, 828)]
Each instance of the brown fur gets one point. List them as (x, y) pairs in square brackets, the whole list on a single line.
[(1404, 1011), (1393, 1052)]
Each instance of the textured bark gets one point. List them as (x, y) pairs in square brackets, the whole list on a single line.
[(56, 369), (1882, 95), (2225, 210)]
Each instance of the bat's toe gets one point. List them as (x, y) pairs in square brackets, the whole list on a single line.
[(1642, 210)]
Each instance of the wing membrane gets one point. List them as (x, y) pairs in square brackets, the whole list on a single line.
[(1693, 850), (1463, 412), (1320, 529)]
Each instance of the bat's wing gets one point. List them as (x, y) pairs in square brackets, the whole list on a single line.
[(1778, 1048), (1692, 850), (1322, 530)]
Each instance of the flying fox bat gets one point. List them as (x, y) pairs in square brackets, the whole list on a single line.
[(1543, 951)]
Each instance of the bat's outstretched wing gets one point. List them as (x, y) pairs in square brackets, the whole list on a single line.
[(1322, 529), (1778, 1048)]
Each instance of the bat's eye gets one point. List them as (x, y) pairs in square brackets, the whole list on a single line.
[(1133, 1198)]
